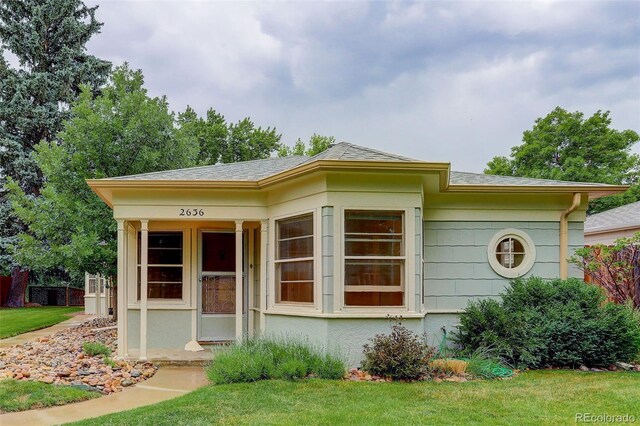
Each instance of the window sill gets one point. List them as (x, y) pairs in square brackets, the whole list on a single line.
[(163, 306), (356, 314)]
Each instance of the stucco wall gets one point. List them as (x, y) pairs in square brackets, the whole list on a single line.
[(344, 335), (456, 268), (166, 329)]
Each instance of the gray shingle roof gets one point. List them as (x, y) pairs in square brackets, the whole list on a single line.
[(465, 178), (242, 171), (626, 216), (346, 151), (260, 169)]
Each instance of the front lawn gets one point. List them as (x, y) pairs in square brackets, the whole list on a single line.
[(14, 321), (20, 395), (535, 397)]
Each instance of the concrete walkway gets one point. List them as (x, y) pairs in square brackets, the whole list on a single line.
[(167, 383), (32, 335)]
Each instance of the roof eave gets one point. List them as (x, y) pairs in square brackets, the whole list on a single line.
[(607, 229), (594, 191)]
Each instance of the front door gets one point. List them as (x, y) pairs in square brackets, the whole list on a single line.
[(217, 287)]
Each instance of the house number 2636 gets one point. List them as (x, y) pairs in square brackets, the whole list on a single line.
[(191, 212)]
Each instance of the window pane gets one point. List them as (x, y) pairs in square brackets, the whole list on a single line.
[(372, 222), (165, 239), (373, 298), (373, 272), (373, 245), (295, 281), (295, 227), (165, 248), (296, 271), (165, 256), (299, 247), (301, 292), (510, 252), (218, 252), (164, 274), (164, 290)]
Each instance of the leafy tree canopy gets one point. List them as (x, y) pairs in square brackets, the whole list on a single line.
[(219, 141), (316, 145), (566, 146), (122, 131)]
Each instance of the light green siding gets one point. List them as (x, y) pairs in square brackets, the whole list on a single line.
[(456, 268), (166, 329)]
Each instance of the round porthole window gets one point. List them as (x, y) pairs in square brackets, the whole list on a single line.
[(511, 253)]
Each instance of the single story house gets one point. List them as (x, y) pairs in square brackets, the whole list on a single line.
[(327, 247), (606, 227)]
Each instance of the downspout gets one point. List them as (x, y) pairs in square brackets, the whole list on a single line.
[(564, 235)]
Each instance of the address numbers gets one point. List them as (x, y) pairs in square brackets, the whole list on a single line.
[(191, 212)]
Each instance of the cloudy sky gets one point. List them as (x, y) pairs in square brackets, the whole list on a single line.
[(440, 81)]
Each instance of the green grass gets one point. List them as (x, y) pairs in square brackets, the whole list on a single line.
[(14, 321), (537, 397), (18, 395)]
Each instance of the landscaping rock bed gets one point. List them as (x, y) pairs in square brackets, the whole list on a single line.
[(59, 359)]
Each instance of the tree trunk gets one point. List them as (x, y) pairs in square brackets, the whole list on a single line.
[(19, 279)]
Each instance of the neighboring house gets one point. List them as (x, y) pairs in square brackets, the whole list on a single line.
[(608, 226), (327, 247), (97, 295)]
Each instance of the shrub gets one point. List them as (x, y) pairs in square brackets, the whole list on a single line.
[(330, 367), (448, 365), (400, 355), (96, 348), (291, 369), (260, 359), (542, 323)]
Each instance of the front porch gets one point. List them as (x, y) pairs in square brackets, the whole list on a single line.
[(187, 283)]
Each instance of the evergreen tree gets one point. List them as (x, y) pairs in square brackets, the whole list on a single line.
[(122, 131), (48, 38)]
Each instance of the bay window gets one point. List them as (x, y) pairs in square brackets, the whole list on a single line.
[(294, 260), (374, 258)]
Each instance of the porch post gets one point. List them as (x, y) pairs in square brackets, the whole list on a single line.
[(121, 289), (263, 273), (239, 295), (98, 284), (144, 268)]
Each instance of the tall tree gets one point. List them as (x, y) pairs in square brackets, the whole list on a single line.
[(48, 38), (566, 146), (317, 144), (224, 142), (122, 131)]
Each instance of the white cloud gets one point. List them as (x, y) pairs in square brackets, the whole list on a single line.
[(456, 81)]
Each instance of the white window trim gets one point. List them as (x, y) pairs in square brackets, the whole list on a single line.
[(408, 284), (186, 273), (273, 306), (529, 253)]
